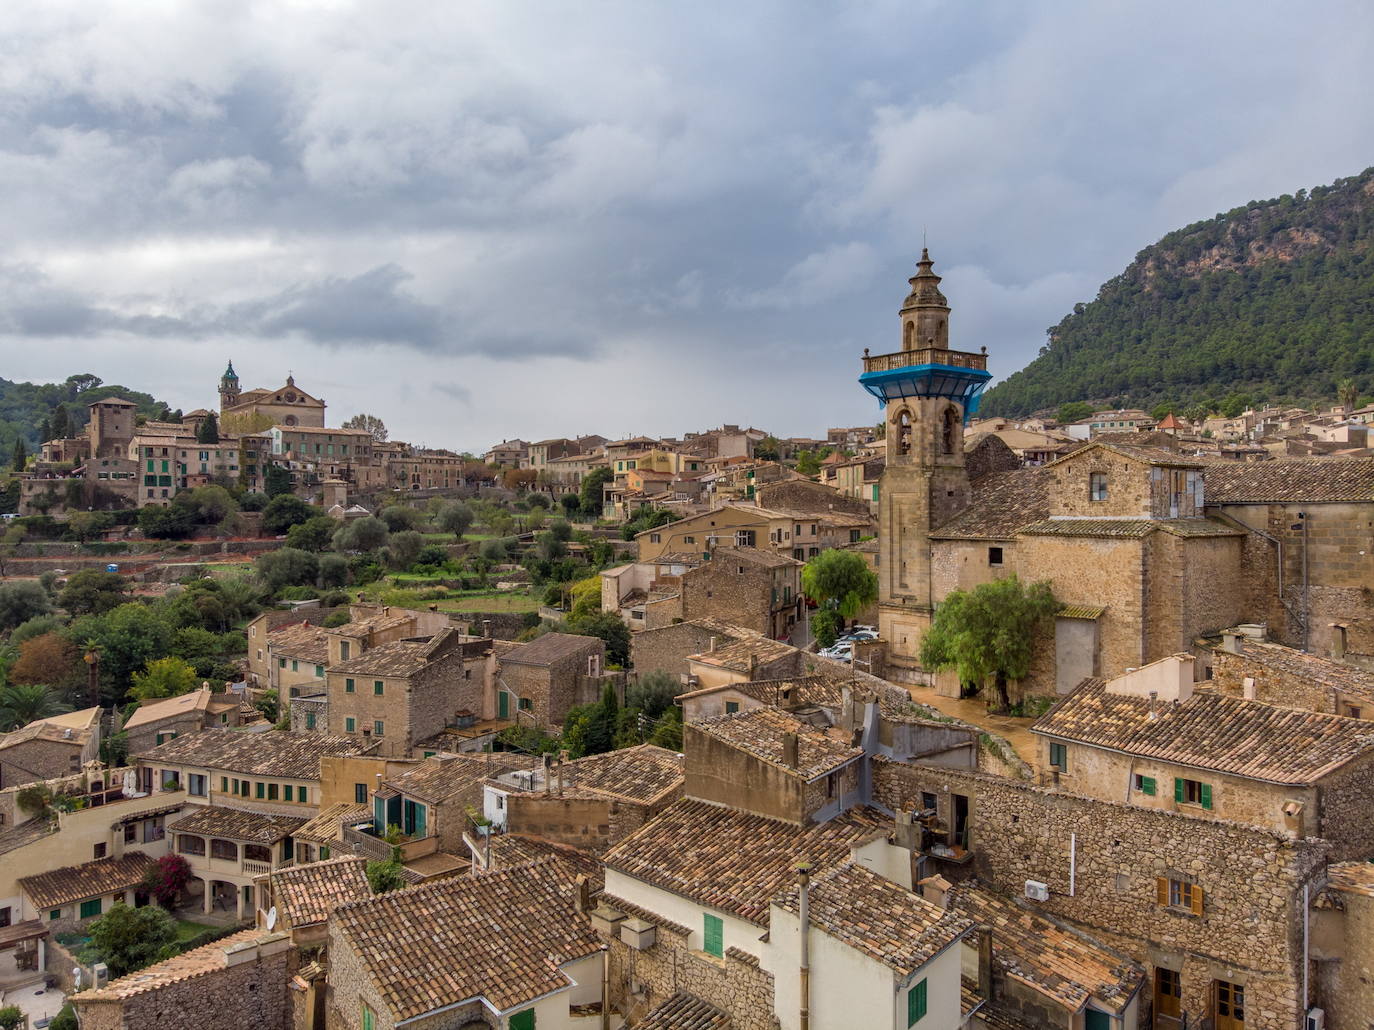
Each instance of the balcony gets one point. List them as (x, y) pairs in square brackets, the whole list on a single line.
[(925, 356)]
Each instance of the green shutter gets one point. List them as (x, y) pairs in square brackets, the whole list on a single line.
[(731, 707), (349, 724), (224, 784), (369, 1019), (348, 686), (290, 792), (916, 1003), (261, 790), (1178, 790), (55, 914), (1095, 1019), (523, 1020), (714, 934), (1205, 794), (90, 908), (1148, 785), (377, 687)]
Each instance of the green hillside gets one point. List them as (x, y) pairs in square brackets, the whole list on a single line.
[(1273, 301), (25, 407)]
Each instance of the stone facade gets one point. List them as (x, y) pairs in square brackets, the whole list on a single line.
[(547, 690), (1102, 861), (741, 586)]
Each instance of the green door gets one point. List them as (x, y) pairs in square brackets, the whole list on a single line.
[(503, 703), (522, 1020), (1096, 1020)]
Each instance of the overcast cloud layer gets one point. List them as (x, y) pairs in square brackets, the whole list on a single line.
[(482, 220)]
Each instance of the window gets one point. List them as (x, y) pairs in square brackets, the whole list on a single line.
[(1180, 894), (225, 849), (378, 688), (350, 725), (916, 1003), (261, 792), (244, 788), (319, 670), (348, 686), (343, 650), (713, 936), (369, 1018), (1097, 486), (689, 540), (130, 833), (295, 666), (853, 535), (360, 793), (197, 785), (1193, 792), (309, 720), (655, 538), (55, 914), (378, 726), (189, 845), (526, 704), (90, 908), (523, 1020), (98, 852), (271, 792), (281, 663), (731, 707), (994, 556), (1059, 757), (1145, 785), (289, 792), (303, 795)]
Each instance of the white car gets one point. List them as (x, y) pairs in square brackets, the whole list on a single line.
[(859, 634), (840, 651)]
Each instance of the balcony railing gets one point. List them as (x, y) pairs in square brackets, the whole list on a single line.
[(925, 356)]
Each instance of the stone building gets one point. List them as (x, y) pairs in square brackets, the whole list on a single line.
[(433, 798), (287, 405), (67, 898), (1342, 945), (264, 629), (228, 848), (156, 722), (304, 896), (1260, 670), (798, 533), (549, 675), (49, 748), (240, 982)]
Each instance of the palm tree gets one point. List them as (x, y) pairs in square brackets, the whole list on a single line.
[(1347, 394), (241, 596), (23, 703)]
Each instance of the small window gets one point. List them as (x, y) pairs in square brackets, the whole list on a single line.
[(1180, 894), (525, 704), (261, 791), (731, 707), (1193, 792), (1059, 757), (319, 670), (309, 720), (99, 851), (350, 725), (714, 936), (378, 726), (1097, 486), (91, 908), (55, 914), (378, 688), (916, 1003), (994, 556), (348, 686), (271, 792), (281, 663), (360, 793), (1146, 785), (343, 650), (289, 792), (655, 538)]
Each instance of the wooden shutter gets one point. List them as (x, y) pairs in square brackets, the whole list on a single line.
[(1197, 900), (916, 1003), (522, 1020), (1162, 890), (1148, 785), (714, 933), (1178, 790), (1204, 793)]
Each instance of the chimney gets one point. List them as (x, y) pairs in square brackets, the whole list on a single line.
[(789, 750), (935, 889), (1154, 696), (907, 835), (584, 893), (1230, 641), (711, 646)]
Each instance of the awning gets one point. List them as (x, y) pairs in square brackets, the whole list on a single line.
[(1080, 611)]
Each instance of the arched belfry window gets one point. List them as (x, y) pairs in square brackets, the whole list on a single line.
[(908, 335), (903, 426), (950, 434)]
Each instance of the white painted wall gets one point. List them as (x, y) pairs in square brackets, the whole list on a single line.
[(737, 933)]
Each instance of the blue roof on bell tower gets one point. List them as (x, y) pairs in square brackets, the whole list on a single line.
[(229, 372)]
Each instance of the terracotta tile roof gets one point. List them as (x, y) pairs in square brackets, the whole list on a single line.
[(237, 824), (770, 559), (301, 641), (327, 827), (187, 966), (1000, 504), (59, 887), (195, 701), (439, 778), (692, 558), (306, 894), (516, 849), (1080, 611), (645, 774), (385, 619), (274, 753), (1351, 877), (782, 692), (683, 1011), (1290, 480), (1209, 731), (505, 935), (1150, 455), (73, 728), (875, 916), (399, 658), (1065, 966), (1313, 668), (732, 860), (553, 647), (760, 732), (1133, 529), (736, 654)]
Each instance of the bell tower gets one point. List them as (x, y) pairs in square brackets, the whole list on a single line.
[(228, 389), (928, 392)]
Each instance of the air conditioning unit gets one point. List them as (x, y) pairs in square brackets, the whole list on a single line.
[(1316, 1019), (1037, 891)]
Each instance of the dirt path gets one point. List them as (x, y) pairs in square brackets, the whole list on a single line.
[(1013, 729)]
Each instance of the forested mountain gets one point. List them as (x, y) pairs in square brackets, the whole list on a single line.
[(1273, 301), (26, 407)]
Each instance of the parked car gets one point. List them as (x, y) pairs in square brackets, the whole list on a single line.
[(841, 651), (859, 634)]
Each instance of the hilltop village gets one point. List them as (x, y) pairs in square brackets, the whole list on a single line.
[(941, 722)]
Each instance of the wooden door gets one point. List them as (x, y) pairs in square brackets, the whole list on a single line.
[(1230, 1006), (1168, 999)]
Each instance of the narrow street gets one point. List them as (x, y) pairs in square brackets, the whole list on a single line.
[(1013, 729)]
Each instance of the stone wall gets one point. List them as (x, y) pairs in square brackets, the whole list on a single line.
[(719, 589), (301, 707), (34, 760), (726, 775), (1311, 691), (1100, 861), (667, 649), (1344, 967), (1346, 798)]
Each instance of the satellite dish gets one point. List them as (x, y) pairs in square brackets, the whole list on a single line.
[(272, 917)]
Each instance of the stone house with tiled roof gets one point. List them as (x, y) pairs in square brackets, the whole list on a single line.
[(304, 896), (537, 682), (262, 630), (227, 848), (1261, 670), (432, 798), (1184, 749), (63, 899), (515, 952), (240, 982), (156, 722), (49, 748)]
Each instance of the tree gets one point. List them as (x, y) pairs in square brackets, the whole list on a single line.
[(276, 480), (454, 517), (370, 424), (87, 525), (129, 939), (668, 732), (366, 534), (208, 431), (1348, 394), (653, 693), (807, 463), (990, 632), (61, 424), (268, 704), (385, 876), (164, 677), (400, 517), (314, 534), (93, 592), (826, 624), (284, 511), (23, 703), (611, 629), (1073, 411), (82, 382), (591, 491), (172, 522), (166, 880), (12, 1017), (21, 455), (49, 658), (842, 579), (287, 567), (126, 639), (585, 597), (20, 601), (403, 548), (333, 571), (208, 505), (767, 449)]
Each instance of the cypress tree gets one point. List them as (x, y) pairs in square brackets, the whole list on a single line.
[(60, 423), (44, 432), (208, 431), (21, 456)]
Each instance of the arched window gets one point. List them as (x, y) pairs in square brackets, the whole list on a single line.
[(908, 335), (950, 433), (903, 425)]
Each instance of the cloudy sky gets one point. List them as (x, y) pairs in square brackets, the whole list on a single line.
[(482, 220)]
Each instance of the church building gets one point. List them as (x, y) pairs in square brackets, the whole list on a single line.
[(288, 405)]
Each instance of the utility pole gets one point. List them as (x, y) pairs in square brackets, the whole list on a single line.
[(804, 913)]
